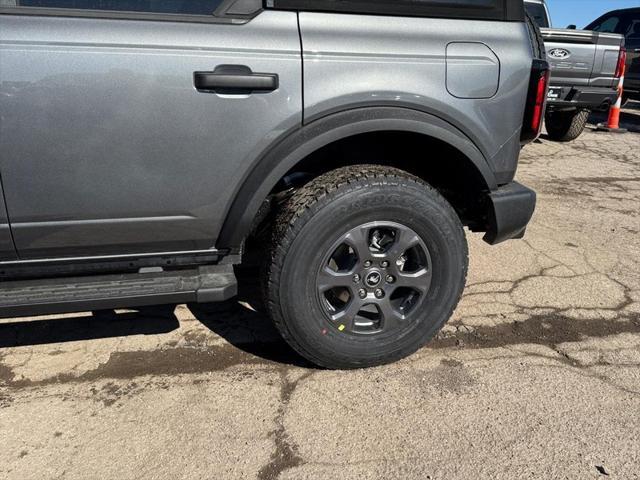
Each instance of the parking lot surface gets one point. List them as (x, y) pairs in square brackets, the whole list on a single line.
[(537, 375)]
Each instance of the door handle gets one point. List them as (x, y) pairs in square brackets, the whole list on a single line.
[(235, 80)]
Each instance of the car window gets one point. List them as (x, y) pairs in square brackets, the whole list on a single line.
[(538, 13), (632, 42), (609, 24), (479, 9), (633, 31), (184, 7)]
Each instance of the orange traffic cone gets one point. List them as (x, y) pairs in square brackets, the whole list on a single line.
[(613, 122)]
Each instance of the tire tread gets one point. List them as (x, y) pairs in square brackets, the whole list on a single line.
[(563, 127)]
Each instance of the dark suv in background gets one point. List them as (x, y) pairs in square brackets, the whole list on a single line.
[(625, 22)]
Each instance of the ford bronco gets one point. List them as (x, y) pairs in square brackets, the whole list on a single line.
[(148, 147)]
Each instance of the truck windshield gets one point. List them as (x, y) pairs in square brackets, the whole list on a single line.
[(539, 14)]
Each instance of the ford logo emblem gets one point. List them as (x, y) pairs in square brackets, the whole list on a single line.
[(559, 53)]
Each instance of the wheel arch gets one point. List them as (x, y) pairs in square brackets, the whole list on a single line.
[(301, 147)]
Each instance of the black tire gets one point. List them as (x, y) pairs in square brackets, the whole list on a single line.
[(305, 232), (566, 126), (537, 42)]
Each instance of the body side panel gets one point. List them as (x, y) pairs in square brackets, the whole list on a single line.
[(606, 60), (371, 59)]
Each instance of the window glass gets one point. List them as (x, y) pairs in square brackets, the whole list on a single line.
[(634, 29), (538, 13), (480, 9), (609, 25), (185, 7)]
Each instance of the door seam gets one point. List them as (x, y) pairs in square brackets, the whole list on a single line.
[(6, 211)]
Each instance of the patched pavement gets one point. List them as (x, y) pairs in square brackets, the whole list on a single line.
[(536, 376)]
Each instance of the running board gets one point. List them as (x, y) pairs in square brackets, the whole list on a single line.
[(60, 295)]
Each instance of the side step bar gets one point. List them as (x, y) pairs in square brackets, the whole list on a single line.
[(58, 295)]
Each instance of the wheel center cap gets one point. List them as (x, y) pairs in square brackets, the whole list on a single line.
[(373, 279)]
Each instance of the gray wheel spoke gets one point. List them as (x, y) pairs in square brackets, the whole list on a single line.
[(347, 315), (405, 239), (358, 239), (391, 318), (420, 280), (328, 279)]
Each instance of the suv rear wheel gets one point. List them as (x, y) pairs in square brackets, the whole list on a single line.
[(367, 263)]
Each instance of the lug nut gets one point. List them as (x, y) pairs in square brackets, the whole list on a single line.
[(367, 264), (379, 293), (362, 292), (390, 279), (384, 264), (356, 278)]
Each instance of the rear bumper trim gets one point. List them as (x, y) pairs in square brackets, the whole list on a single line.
[(511, 208), (593, 98)]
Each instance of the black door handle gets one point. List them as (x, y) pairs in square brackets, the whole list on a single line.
[(235, 79)]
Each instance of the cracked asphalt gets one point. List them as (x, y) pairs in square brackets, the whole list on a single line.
[(537, 375)]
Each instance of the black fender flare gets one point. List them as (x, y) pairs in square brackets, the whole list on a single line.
[(298, 144)]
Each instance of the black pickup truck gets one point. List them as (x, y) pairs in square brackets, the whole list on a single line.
[(585, 71)]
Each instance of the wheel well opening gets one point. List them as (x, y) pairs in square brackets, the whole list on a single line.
[(441, 165)]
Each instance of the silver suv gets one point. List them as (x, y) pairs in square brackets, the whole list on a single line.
[(148, 147)]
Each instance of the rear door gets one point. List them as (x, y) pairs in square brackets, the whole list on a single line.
[(112, 143)]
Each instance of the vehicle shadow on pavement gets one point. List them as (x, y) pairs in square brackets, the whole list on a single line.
[(253, 333), (105, 324), (247, 330), (241, 323)]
